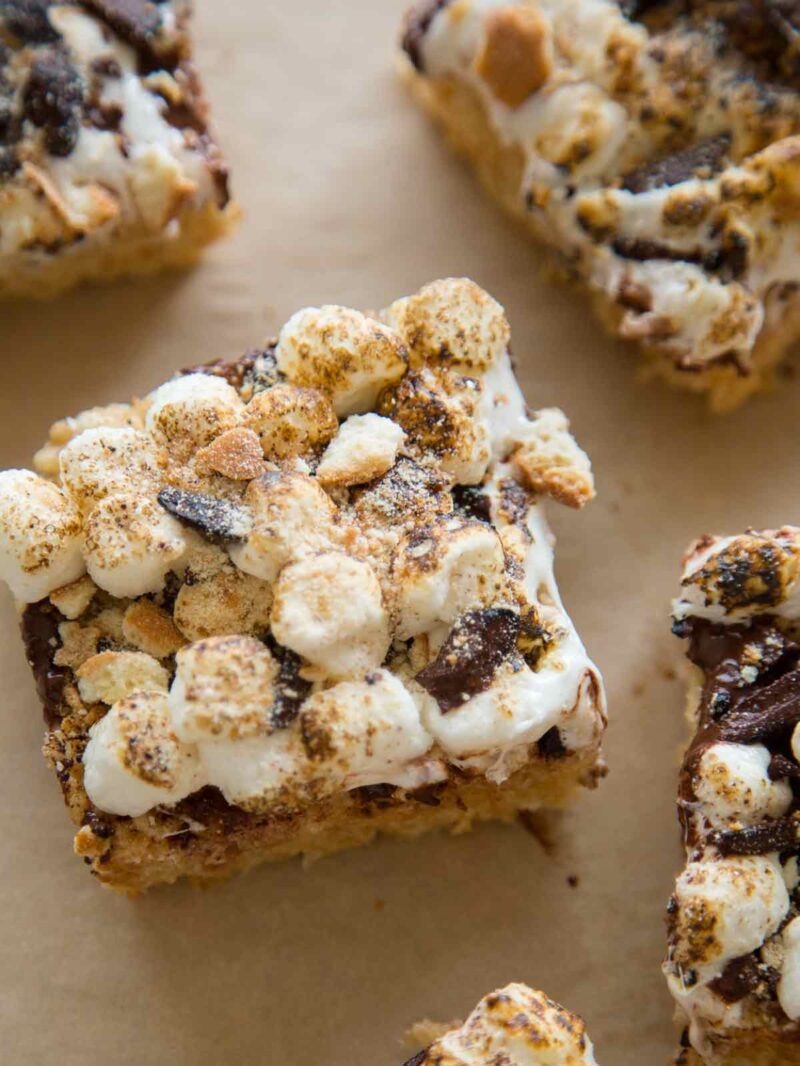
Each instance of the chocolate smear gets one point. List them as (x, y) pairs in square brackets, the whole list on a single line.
[(211, 515), (764, 712), (39, 626), (469, 500), (739, 978), (479, 643), (700, 160)]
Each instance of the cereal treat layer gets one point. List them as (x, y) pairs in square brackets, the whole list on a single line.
[(513, 1027), (734, 919), (107, 166), (288, 601), (654, 147)]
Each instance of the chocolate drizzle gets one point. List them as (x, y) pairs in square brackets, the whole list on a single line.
[(39, 625), (476, 647)]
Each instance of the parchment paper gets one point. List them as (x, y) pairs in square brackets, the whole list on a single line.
[(350, 197)]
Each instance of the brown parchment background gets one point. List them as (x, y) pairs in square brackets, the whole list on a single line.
[(351, 198)]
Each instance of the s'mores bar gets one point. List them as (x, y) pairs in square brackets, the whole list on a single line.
[(654, 147), (107, 165), (514, 1026), (290, 601), (733, 964)]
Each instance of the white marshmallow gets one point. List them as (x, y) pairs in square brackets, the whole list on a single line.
[(188, 412), (341, 352), (291, 421), (256, 772), (329, 609), (134, 761), (291, 515), (443, 570), (364, 732), (108, 460), (40, 536), (789, 984), (365, 447), (131, 544), (733, 785), (223, 688)]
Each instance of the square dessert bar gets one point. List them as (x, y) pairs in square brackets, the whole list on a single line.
[(107, 166), (734, 920), (514, 1026), (289, 601), (653, 147)]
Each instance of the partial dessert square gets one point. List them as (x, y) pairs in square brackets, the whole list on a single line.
[(107, 164), (734, 920), (653, 147), (513, 1026), (292, 600)]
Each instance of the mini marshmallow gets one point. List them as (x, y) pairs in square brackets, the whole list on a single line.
[(188, 412), (550, 461), (453, 322), (329, 609), (223, 604), (113, 675), (62, 432), (363, 732), (291, 421), (131, 544), (441, 415), (733, 785), (223, 688), (789, 984), (291, 515), (365, 448), (258, 773), (345, 354), (444, 569), (108, 460), (134, 761), (40, 536), (725, 909)]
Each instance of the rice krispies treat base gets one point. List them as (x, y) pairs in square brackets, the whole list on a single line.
[(624, 209), (514, 1026), (107, 163), (733, 964), (279, 621)]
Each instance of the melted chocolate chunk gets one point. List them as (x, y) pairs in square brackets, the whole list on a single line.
[(380, 796), (210, 808), (479, 643), (765, 712), (27, 20), (418, 22), (739, 978), (781, 768), (759, 839), (138, 22), (419, 1059), (551, 746), (39, 625), (52, 98), (212, 516), (473, 503), (291, 689), (700, 160)]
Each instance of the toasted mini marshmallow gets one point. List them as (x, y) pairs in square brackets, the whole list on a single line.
[(131, 544), (134, 760), (444, 569), (291, 515), (291, 421), (551, 462), (363, 732), (453, 322), (223, 603), (258, 772), (329, 609), (440, 413), (365, 448), (223, 687), (108, 460), (345, 354), (40, 536), (113, 675), (733, 784), (789, 984), (725, 909), (188, 412), (62, 432)]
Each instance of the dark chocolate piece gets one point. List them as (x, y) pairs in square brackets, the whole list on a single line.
[(703, 159), (39, 625), (759, 839), (291, 689), (781, 768), (27, 20), (52, 98), (138, 22), (418, 22), (479, 643), (739, 978), (211, 515), (551, 746), (472, 502)]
